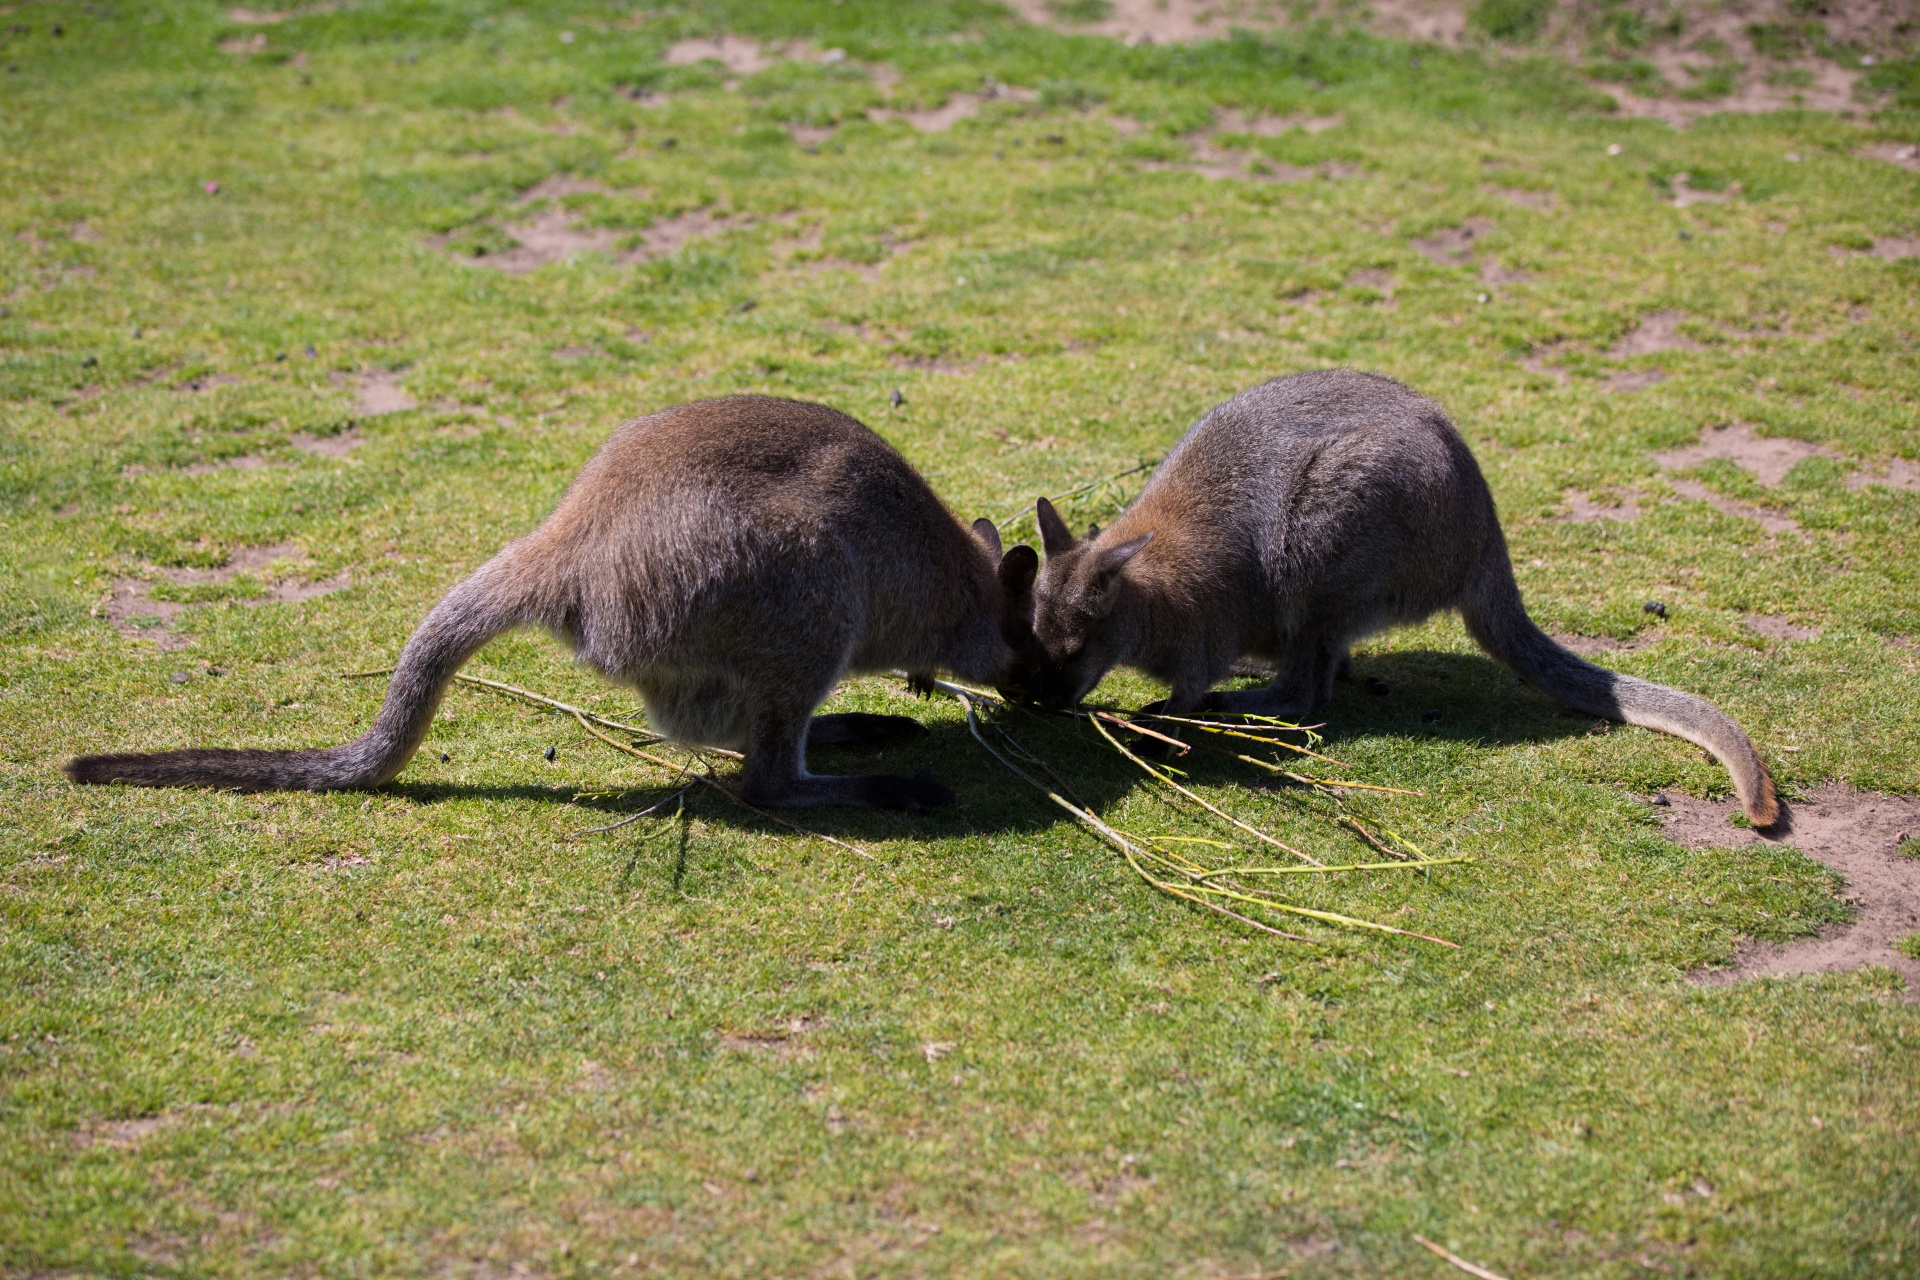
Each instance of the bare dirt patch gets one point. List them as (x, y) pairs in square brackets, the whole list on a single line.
[(1896, 248), (241, 46), (1587, 646), (83, 233), (1159, 21), (1630, 380), (1526, 199), (957, 107), (1686, 195), (379, 392), (1899, 473), (1770, 521), (1775, 628), (255, 17), (670, 235), (1769, 458), (1453, 246), (1904, 154), (1578, 508), (133, 612), (1856, 833), (739, 55), (338, 445), (1260, 125), (1657, 331)]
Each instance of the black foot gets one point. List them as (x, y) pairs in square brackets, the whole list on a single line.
[(911, 795), (861, 729)]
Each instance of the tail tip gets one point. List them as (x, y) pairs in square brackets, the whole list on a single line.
[(1763, 807), (89, 770)]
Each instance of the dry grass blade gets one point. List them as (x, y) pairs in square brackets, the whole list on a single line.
[(1471, 1268), (710, 781), (529, 695), (1239, 731), (1162, 777), (1142, 729), (635, 817), (1198, 886), (1013, 518)]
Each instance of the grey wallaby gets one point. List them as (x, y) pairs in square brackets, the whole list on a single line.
[(731, 560), (1294, 520)]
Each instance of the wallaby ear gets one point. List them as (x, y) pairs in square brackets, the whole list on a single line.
[(1113, 559), (1018, 568), (988, 532), (1054, 534)]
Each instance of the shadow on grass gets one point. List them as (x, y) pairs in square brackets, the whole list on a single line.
[(1477, 701)]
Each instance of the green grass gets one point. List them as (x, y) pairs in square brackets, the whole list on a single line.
[(422, 1031)]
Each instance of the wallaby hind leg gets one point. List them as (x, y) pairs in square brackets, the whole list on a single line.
[(861, 729), (776, 771), (1303, 682)]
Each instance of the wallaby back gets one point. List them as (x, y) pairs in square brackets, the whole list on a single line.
[(731, 559), (1298, 518)]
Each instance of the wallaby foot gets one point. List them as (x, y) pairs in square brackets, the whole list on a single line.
[(776, 774), (861, 729)]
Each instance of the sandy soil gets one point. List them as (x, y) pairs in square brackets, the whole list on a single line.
[(129, 599), (958, 107), (1769, 458), (1589, 645), (1853, 832), (1580, 509), (380, 392), (1657, 331), (1773, 628)]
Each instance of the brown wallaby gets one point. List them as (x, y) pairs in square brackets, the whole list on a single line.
[(731, 560), (1294, 520)]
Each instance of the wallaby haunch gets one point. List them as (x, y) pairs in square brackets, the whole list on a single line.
[(731, 560), (1294, 520)]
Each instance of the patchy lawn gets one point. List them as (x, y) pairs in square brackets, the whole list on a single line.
[(303, 314)]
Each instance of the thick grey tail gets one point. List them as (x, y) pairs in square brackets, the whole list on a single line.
[(471, 614), (1499, 621)]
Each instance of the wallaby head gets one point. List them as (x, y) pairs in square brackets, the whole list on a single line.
[(1019, 567), (1081, 614)]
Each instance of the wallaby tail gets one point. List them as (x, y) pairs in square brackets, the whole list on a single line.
[(487, 603), (1499, 621)]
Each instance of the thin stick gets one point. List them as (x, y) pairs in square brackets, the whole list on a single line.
[(1351, 866), (516, 691), (1077, 490), (1157, 774), (1471, 1268), (1353, 824), (1229, 731), (709, 780), (1142, 729), (1174, 890), (633, 817)]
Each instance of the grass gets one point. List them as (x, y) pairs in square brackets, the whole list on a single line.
[(424, 1031)]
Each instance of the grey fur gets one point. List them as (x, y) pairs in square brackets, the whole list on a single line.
[(732, 560), (1291, 522)]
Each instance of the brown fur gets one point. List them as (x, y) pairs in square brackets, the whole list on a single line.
[(1294, 520), (731, 560)]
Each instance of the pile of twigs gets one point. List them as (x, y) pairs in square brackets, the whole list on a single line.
[(1172, 863)]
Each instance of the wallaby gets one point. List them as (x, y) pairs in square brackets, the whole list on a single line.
[(731, 560), (1294, 520)]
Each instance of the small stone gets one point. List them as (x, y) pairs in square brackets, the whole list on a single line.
[(550, 753), (216, 671), (1377, 687), (746, 306), (1660, 800), (896, 399), (89, 362), (444, 757), (280, 355), (1430, 717), (181, 677), (1655, 608)]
